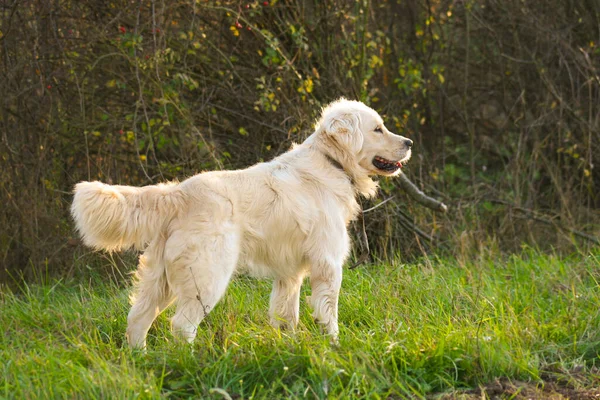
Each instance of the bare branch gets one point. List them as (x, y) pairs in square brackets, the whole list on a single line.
[(532, 214), (413, 191)]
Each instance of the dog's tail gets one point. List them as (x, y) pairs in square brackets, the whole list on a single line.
[(113, 217)]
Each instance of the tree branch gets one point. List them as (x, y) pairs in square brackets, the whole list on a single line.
[(532, 214), (413, 191)]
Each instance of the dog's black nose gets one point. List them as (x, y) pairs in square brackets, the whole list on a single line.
[(408, 143)]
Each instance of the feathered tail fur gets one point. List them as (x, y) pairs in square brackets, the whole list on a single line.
[(114, 217)]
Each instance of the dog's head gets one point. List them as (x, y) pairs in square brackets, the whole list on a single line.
[(359, 130)]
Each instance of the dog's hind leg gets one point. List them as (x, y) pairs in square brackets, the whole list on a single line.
[(199, 277), (284, 307), (151, 297)]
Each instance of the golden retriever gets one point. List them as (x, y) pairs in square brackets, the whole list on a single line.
[(286, 219)]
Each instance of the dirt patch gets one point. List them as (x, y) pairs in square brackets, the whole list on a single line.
[(574, 385)]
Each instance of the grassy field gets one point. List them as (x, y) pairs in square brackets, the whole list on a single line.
[(433, 329)]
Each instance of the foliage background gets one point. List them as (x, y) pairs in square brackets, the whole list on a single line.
[(501, 98)]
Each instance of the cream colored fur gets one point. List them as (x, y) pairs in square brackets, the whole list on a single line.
[(286, 219)]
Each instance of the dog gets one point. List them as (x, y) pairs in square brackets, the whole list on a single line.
[(286, 218)]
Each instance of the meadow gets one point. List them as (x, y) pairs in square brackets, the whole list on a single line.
[(522, 326)]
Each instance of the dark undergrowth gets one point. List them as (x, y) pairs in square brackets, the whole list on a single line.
[(500, 98)]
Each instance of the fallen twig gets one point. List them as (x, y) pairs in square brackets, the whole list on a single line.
[(378, 205)]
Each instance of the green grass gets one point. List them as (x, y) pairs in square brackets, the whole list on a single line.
[(406, 330)]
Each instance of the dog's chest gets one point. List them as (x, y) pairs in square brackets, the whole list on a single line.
[(270, 248), (281, 244)]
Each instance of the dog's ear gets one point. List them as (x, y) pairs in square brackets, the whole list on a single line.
[(340, 124)]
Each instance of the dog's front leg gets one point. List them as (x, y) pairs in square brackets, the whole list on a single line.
[(284, 307), (326, 280)]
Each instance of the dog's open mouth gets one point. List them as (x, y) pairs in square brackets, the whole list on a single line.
[(386, 165)]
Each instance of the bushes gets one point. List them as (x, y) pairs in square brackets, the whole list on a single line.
[(500, 97)]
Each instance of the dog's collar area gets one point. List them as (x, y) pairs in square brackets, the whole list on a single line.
[(339, 166), (334, 162), (363, 239)]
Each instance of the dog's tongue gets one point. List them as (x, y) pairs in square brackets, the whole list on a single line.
[(399, 164)]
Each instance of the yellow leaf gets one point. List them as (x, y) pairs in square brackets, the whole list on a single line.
[(375, 62), (308, 85), (142, 157)]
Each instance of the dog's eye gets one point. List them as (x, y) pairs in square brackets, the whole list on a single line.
[(378, 130)]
